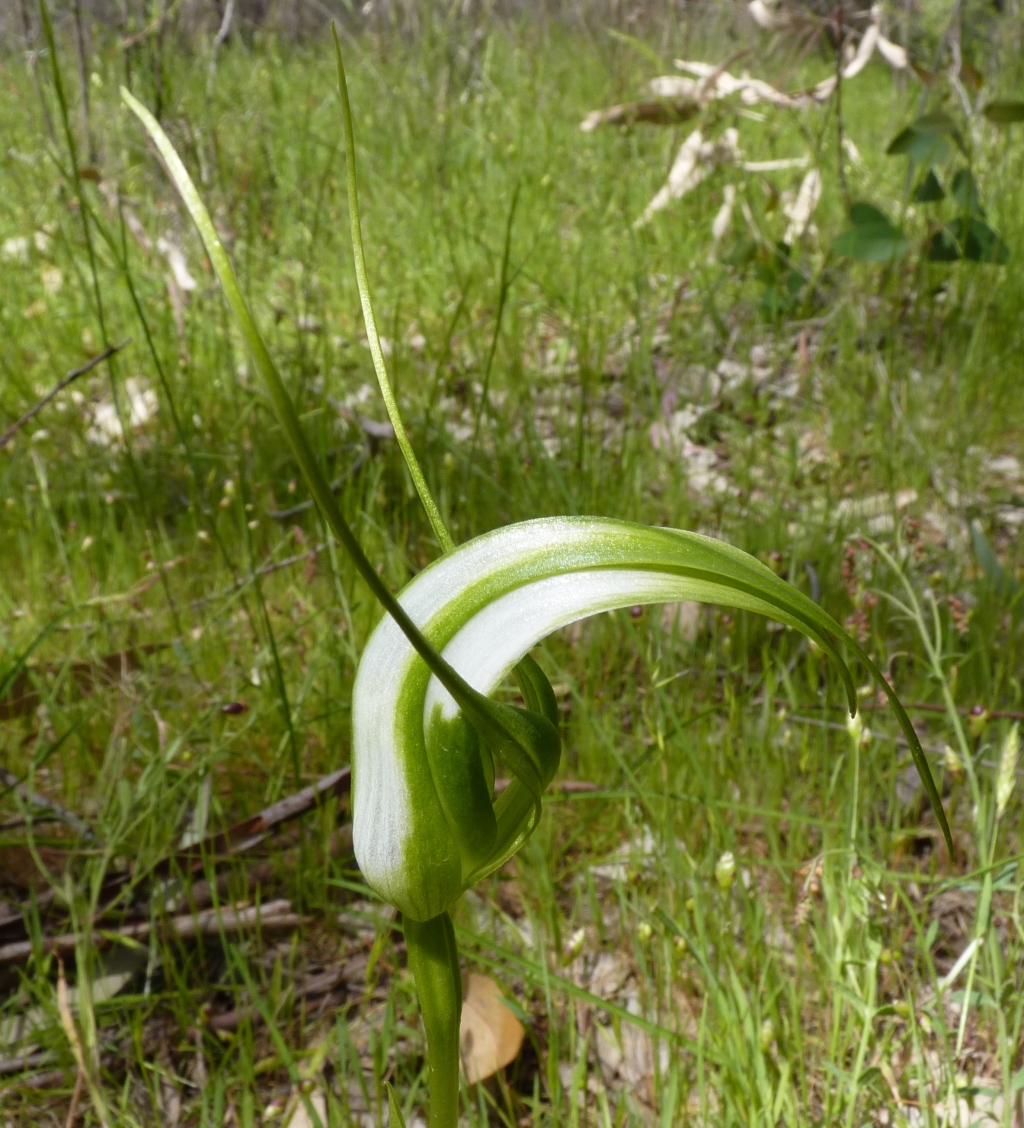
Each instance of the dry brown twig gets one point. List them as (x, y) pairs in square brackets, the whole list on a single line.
[(276, 915), (34, 799), (314, 986), (237, 839), (246, 834), (69, 379)]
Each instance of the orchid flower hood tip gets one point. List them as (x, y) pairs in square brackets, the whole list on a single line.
[(426, 825)]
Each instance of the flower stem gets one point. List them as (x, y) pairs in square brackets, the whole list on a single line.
[(434, 959), (475, 706), (444, 537)]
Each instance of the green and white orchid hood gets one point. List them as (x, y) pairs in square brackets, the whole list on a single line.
[(425, 825)]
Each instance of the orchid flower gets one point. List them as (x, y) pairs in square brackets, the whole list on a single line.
[(426, 737)]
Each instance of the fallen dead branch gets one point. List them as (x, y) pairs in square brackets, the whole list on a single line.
[(239, 838), (267, 569), (69, 379), (246, 834), (24, 1062), (662, 111), (54, 1078), (312, 988), (34, 799), (275, 915), (678, 97)]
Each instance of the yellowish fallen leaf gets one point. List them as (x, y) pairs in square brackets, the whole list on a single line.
[(490, 1036), (301, 1113)]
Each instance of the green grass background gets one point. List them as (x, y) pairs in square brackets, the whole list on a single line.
[(719, 742)]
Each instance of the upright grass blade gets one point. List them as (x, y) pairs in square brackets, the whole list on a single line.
[(444, 538), (394, 1107), (515, 734), (463, 777)]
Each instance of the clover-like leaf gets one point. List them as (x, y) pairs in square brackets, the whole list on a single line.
[(1004, 112), (969, 238), (930, 190), (871, 236), (927, 140), (963, 188)]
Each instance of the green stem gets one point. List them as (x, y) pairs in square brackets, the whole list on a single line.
[(524, 768), (528, 743), (444, 538), (286, 414), (434, 959)]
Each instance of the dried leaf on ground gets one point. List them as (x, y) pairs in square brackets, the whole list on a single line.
[(491, 1035), (695, 161), (799, 212), (297, 1114)]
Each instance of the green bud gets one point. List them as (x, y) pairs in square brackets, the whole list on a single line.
[(574, 946), (978, 721), (954, 765)]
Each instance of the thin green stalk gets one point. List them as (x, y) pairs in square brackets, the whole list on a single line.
[(444, 537), (504, 285), (525, 668), (856, 737), (84, 214), (523, 739), (434, 959), (986, 843), (867, 1018), (281, 401)]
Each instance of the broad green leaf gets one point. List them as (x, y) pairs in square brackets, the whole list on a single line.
[(963, 188), (1004, 113), (863, 214), (929, 191), (969, 238), (871, 236), (926, 140), (982, 244)]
